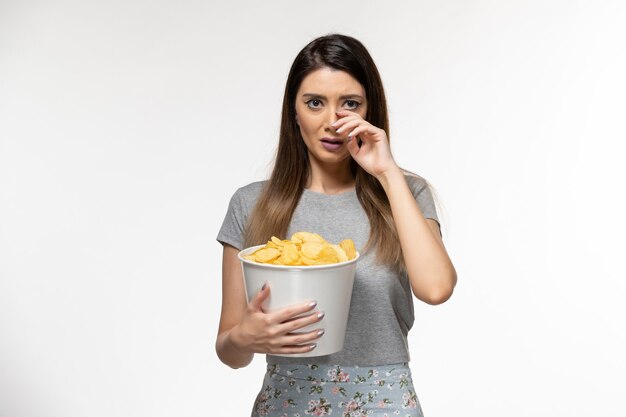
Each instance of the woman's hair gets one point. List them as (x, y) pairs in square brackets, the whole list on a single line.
[(281, 194)]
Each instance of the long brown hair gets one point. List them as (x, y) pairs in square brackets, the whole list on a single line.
[(281, 194)]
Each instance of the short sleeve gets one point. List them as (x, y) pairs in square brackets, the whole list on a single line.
[(423, 195), (233, 226), (240, 206)]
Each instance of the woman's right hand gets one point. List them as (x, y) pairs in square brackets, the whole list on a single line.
[(260, 332)]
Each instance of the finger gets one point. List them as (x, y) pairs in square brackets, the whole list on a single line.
[(261, 296), (345, 113), (300, 338), (362, 129), (340, 122), (287, 313), (353, 146), (296, 349), (300, 322), (346, 127)]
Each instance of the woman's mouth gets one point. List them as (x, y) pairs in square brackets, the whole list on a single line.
[(331, 144)]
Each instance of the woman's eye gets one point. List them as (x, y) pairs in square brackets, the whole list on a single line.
[(352, 104), (314, 103)]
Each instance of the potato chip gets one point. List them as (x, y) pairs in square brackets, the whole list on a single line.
[(290, 255), (266, 254), (327, 255), (307, 237), (306, 261), (271, 244), (341, 254), (311, 249), (303, 249), (348, 246)]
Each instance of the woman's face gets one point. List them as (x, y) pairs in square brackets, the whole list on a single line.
[(322, 93)]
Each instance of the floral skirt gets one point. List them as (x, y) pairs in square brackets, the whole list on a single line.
[(334, 390)]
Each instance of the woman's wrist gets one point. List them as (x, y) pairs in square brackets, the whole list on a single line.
[(390, 177)]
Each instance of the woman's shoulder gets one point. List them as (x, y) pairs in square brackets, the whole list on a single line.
[(253, 187), (249, 191), (244, 198), (416, 182)]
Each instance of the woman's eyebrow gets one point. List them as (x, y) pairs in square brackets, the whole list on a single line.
[(346, 96)]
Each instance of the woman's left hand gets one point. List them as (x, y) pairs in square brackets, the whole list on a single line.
[(374, 155)]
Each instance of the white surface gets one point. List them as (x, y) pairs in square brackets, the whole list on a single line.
[(126, 126)]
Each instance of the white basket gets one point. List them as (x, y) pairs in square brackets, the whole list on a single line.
[(330, 285)]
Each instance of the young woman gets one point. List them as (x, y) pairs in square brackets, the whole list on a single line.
[(335, 175)]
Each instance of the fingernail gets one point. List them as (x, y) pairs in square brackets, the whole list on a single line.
[(339, 130), (320, 315), (313, 304), (313, 346), (321, 332), (263, 287), (334, 123)]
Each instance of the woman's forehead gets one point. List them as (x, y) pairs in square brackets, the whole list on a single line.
[(329, 81)]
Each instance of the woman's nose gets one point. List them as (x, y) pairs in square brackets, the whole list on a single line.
[(332, 117)]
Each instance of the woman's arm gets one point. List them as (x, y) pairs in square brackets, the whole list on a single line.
[(233, 306), (431, 273), (430, 270)]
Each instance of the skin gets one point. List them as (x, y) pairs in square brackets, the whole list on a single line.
[(321, 96), (332, 103)]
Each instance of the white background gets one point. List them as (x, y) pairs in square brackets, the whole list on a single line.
[(125, 127)]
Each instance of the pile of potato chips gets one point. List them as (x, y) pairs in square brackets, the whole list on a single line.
[(304, 248)]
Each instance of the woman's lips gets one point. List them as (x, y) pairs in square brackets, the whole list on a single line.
[(331, 144)]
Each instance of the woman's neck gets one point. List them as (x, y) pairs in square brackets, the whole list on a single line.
[(330, 179)]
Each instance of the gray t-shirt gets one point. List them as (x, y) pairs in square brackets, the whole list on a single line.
[(381, 308)]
